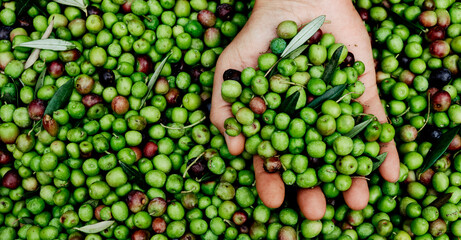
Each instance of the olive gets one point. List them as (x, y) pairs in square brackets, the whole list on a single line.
[(232, 74), (440, 77), (106, 77), (225, 11), (5, 32), (93, 10), (11, 179)]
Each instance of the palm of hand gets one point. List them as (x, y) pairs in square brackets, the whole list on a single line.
[(343, 22)]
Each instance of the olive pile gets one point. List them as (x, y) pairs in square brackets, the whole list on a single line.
[(312, 145)]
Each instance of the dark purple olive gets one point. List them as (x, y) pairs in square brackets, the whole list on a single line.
[(435, 33), (36, 109), (404, 61), (140, 235), (314, 162), (136, 201), (92, 10), (144, 64), (106, 77), (91, 99), (56, 69), (348, 61), (364, 14), (440, 77), (188, 236), (231, 74), (225, 11), (197, 169), (25, 21), (5, 157), (5, 32), (11, 179), (178, 67), (316, 37), (195, 73), (432, 133), (244, 229)]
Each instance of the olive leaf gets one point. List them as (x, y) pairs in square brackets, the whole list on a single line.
[(134, 175), (439, 148), (40, 81), (358, 128), (74, 3), (92, 202), (440, 201), (49, 44), (380, 159), (61, 96), (331, 94), (22, 6), (36, 53), (331, 66), (95, 228), (306, 32), (297, 52), (26, 220), (288, 105), (154, 77)]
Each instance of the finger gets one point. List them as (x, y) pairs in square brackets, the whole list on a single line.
[(312, 203), (218, 115), (270, 187), (390, 168), (356, 197)]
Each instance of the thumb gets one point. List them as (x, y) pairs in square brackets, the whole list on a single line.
[(270, 186), (390, 168)]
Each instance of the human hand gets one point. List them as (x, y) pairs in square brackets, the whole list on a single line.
[(345, 24)]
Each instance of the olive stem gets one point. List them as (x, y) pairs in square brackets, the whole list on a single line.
[(188, 126), (190, 165), (428, 112), (270, 69), (33, 127), (405, 112), (345, 95)]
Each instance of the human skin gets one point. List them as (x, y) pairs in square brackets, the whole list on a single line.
[(345, 24)]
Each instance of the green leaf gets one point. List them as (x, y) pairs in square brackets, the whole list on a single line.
[(92, 202), (358, 128), (297, 52), (22, 6), (439, 148), (74, 3), (154, 77), (332, 94), (49, 44), (440, 201), (380, 159), (134, 175), (40, 80), (288, 105), (95, 228), (61, 96), (26, 220), (331, 66), (303, 35)]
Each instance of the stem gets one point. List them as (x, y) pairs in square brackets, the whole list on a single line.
[(190, 165), (405, 112), (270, 69), (188, 126), (428, 112), (345, 95)]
